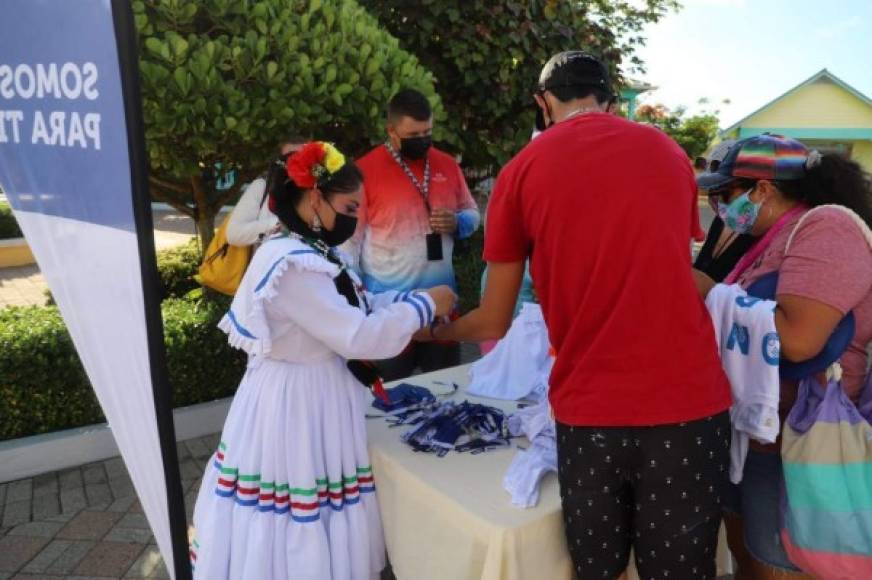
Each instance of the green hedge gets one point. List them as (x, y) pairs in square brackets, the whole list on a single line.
[(8, 226), (202, 366), (176, 268), (43, 386)]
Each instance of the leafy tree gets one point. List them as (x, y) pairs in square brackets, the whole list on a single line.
[(694, 133), (486, 56), (223, 81)]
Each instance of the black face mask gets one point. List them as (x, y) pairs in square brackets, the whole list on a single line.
[(540, 119), (415, 147), (541, 125), (343, 228)]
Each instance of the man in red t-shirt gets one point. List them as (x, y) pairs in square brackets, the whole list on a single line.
[(415, 205), (637, 388)]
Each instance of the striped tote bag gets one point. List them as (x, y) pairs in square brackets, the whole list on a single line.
[(826, 509)]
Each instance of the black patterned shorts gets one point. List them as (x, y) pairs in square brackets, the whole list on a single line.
[(655, 489)]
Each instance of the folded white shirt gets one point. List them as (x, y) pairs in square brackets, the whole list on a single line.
[(749, 347)]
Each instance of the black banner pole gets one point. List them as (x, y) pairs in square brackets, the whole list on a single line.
[(125, 37)]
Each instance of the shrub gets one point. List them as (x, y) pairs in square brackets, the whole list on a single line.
[(176, 268), (202, 366), (8, 226), (43, 386)]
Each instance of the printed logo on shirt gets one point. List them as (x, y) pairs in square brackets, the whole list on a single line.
[(746, 301), (739, 335), (439, 177), (772, 349)]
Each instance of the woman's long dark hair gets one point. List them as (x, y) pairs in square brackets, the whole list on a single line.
[(284, 195), (835, 180)]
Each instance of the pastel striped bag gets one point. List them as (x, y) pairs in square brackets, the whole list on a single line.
[(826, 510)]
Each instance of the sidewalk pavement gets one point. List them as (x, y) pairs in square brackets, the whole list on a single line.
[(85, 523)]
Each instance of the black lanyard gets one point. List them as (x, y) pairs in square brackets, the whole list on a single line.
[(344, 284), (423, 189)]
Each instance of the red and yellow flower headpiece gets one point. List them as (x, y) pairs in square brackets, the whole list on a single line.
[(314, 162)]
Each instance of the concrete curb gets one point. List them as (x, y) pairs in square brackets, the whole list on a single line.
[(15, 252), (30, 456)]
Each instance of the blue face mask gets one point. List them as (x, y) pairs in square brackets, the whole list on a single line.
[(740, 215)]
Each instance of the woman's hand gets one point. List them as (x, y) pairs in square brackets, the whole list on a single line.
[(704, 284), (444, 298)]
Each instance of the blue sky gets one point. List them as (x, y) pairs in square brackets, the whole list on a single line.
[(751, 51)]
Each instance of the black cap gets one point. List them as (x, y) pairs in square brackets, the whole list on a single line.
[(574, 68)]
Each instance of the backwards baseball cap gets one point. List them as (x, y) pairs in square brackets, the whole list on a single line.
[(765, 156), (574, 68)]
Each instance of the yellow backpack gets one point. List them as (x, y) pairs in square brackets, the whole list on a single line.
[(224, 265)]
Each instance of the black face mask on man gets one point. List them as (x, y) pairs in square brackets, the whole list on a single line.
[(541, 124), (415, 147)]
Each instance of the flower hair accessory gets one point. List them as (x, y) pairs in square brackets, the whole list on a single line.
[(814, 159), (313, 163)]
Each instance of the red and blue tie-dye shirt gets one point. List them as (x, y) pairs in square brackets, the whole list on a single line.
[(389, 248)]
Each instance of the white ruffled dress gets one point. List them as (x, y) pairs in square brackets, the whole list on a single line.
[(289, 493)]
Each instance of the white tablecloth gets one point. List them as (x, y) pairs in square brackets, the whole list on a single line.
[(448, 518)]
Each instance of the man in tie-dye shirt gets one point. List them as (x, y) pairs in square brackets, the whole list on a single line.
[(416, 204)]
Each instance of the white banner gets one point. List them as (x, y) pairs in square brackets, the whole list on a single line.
[(72, 167)]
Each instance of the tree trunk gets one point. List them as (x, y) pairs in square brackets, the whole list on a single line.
[(203, 215), (205, 227)]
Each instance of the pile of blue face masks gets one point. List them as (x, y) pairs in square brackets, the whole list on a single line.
[(402, 397), (442, 427)]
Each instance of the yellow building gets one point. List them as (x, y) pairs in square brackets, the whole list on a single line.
[(824, 112)]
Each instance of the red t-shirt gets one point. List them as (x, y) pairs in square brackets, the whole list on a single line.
[(607, 208)]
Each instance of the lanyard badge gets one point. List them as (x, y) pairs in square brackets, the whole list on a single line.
[(433, 240)]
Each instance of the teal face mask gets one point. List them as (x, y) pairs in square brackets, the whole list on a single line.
[(741, 214)]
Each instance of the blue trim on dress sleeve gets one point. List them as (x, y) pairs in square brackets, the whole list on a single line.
[(272, 268), (417, 307), (239, 328), (423, 301)]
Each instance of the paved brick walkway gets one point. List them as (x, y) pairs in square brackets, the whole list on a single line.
[(21, 286), (85, 523)]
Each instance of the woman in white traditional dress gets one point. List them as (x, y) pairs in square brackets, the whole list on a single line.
[(289, 493)]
